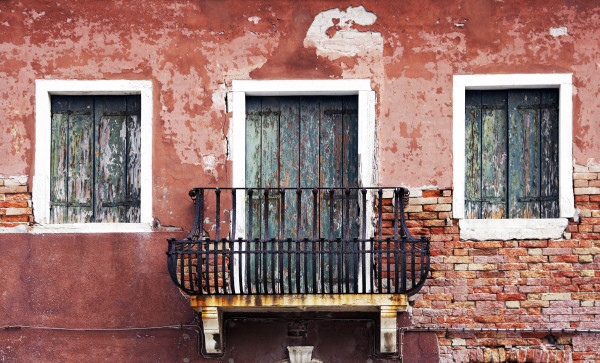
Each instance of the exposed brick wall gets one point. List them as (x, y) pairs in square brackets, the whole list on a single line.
[(15, 202), (523, 284)]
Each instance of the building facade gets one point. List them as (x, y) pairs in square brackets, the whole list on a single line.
[(486, 111)]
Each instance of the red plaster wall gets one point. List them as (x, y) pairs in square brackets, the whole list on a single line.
[(191, 50)]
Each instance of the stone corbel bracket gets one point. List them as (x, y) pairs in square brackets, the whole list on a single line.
[(211, 308)]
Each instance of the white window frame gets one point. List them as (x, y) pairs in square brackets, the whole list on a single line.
[(44, 89), (505, 229), (366, 129)]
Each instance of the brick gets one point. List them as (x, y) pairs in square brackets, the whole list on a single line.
[(513, 297), (432, 193), (562, 243), (585, 176), (580, 183), (587, 251), (14, 204), (14, 189), (595, 198), (513, 304), (434, 223), (556, 296), (512, 266), (582, 198), (487, 244), (458, 259), (587, 273), (447, 215), (535, 304), (18, 211), (533, 259), (423, 215), (18, 196), (437, 207), (422, 200), (592, 183), (413, 208), (19, 218), (529, 244), (513, 251), (461, 267), (556, 251), (568, 259), (482, 266), (445, 200), (489, 319)]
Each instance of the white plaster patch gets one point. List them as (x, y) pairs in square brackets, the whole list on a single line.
[(346, 42), (557, 32), (254, 19), (218, 97), (210, 163), (16, 179)]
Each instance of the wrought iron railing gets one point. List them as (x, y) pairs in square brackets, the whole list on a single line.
[(299, 241)]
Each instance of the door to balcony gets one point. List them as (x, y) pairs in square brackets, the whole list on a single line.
[(301, 142)]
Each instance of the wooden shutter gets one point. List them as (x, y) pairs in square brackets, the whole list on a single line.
[(71, 183), (299, 142), (511, 154), (118, 158), (533, 137), (95, 161), (486, 154)]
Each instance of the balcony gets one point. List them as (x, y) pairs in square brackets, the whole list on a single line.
[(299, 248)]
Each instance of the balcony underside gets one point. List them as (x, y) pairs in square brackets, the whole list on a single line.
[(302, 302)]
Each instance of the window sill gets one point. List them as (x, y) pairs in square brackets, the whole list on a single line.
[(92, 228), (507, 229)]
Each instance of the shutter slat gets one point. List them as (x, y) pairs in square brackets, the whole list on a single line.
[(493, 154), (549, 149), (524, 153), (111, 157), (80, 181), (473, 154), (58, 181)]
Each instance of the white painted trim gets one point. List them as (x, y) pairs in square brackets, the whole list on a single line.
[(507, 229), (41, 180), (461, 83), (366, 128), (92, 228)]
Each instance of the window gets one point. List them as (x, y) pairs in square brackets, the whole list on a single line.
[(95, 159), (93, 156), (308, 141), (354, 100), (512, 155)]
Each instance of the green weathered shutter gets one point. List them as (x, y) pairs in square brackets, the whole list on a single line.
[(486, 154), (511, 154), (117, 158), (95, 161), (299, 142), (71, 184), (533, 138)]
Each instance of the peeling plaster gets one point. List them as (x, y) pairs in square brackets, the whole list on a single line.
[(346, 41), (254, 19), (557, 32)]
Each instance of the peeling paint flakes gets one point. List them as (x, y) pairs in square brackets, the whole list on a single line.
[(254, 19), (557, 32), (344, 40)]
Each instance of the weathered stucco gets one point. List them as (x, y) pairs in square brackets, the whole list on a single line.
[(191, 51)]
